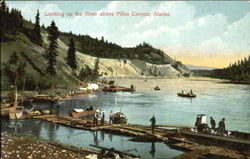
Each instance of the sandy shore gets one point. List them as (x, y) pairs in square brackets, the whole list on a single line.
[(29, 147)]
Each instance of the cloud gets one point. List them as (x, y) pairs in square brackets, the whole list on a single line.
[(182, 32)]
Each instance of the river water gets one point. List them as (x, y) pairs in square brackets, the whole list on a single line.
[(215, 99)]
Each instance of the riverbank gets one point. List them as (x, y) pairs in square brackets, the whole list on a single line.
[(30, 147)]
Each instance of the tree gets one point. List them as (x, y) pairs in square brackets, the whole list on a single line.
[(10, 68), (37, 30), (3, 14), (51, 51), (71, 58), (96, 69)]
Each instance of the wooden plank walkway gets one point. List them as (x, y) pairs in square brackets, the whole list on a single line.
[(139, 131), (198, 151), (174, 126), (221, 138), (144, 133)]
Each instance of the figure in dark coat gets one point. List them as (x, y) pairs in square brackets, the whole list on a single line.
[(222, 127), (153, 121), (212, 123)]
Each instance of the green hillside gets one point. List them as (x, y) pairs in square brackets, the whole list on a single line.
[(19, 37), (103, 49)]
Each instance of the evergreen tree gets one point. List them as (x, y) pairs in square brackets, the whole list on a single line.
[(3, 14), (10, 68), (37, 30), (96, 69), (71, 58), (51, 51)]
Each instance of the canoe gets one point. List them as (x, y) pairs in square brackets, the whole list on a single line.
[(83, 114), (186, 95)]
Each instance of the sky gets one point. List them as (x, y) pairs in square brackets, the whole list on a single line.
[(205, 33)]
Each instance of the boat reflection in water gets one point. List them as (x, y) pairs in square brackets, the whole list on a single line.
[(82, 138)]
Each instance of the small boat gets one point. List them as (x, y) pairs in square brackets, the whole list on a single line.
[(186, 95), (79, 110), (157, 88), (42, 97), (119, 118), (16, 112), (80, 113)]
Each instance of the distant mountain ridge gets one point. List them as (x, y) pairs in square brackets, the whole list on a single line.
[(195, 67)]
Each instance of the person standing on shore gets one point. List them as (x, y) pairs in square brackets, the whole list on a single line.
[(111, 116), (102, 118), (222, 127), (95, 122), (153, 121), (212, 123)]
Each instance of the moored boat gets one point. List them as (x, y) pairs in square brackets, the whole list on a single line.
[(80, 113), (119, 118), (16, 112), (186, 95)]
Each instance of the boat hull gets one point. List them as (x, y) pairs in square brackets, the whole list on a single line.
[(119, 118), (186, 95), (83, 114), (16, 115)]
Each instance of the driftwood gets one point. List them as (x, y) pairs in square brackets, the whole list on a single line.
[(121, 153)]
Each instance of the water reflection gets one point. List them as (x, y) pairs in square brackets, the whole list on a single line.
[(95, 138), (213, 99), (102, 135), (152, 151), (67, 135), (110, 137)]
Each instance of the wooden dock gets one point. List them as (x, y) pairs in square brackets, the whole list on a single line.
[(175, 138), (140, 132)]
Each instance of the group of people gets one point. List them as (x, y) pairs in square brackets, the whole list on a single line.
[(221, 128), (191, 92), (99, 116)]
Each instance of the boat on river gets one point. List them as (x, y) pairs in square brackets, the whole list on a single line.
[(119, 118), (16, 112), (81, 113), (157, 88), (118, 89), (186, 95)]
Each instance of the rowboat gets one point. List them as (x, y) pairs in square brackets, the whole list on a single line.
[(186, 95), (119, 118), (80, 113), (157, 88), (16, 112)]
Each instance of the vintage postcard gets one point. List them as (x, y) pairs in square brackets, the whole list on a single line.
[(125, 79)]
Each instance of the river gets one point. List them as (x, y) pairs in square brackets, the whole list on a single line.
[(216, 99), (220, 100)]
